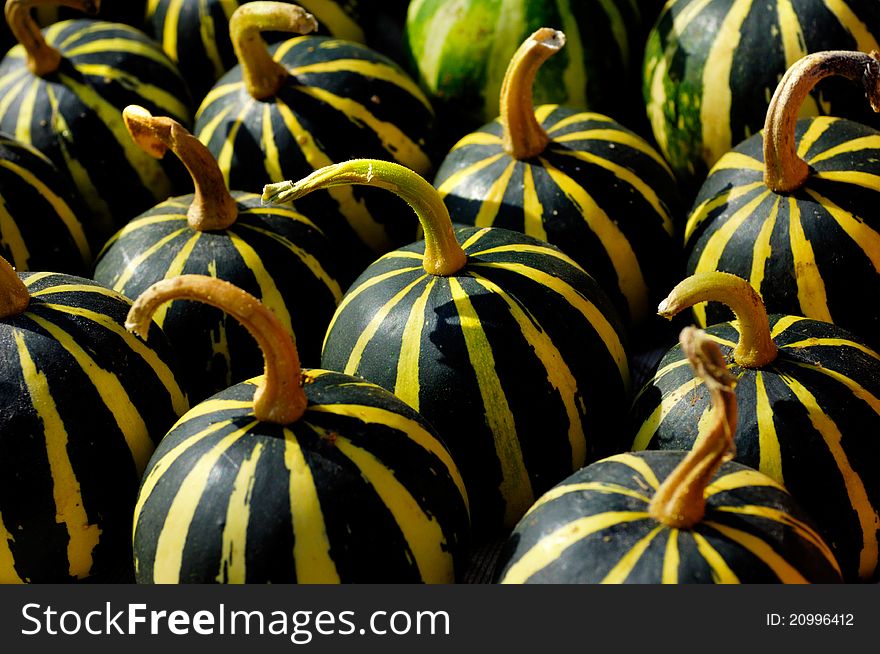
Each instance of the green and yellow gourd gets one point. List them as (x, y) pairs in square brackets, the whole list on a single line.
[(84, 404), (63, 91), (795, 211), (195, 33), (41, 217), (711, 67), (498, 339), (298, 475), (671, 517), (309, 102), (578, 180), (809, 404), (460, 50), (274, 253)]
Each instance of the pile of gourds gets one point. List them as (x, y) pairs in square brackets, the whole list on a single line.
[(405, 289)]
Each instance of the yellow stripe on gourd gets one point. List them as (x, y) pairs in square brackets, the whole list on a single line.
[(762, 250), (451, 182), (116, 45), (639, 465), (233, 559), (729, 196), (376, 322), (855, 487), (833, 342), (856, 228), (406, 382), (671, 558), (618, 137), (553, 545), (851, 385), (28, 101), (269, 293), (171, 543), (721, 572), (138, 224), (658, 415), (477, 138), (818, 126), (627, 269), (602, 487), (737, 161), (784, 570), (811, 294), (619, 573), (311, 547), (371, 70), (271, 153), (848, 19), (741, 479), (11, 238), (516, 485), (413, 430), (83, 536), (8, 575), (136, 263), (494, 197), (559, 375), (533, 212), (175, 269), (770, 453), (422, 532), (871, 142), (597, 320)]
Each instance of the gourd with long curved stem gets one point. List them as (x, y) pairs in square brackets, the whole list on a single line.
[(487, 328), (365, 490)]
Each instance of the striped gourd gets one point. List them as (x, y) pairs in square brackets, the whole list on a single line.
[(195, 33), (84, 404), (461, 49), (671, 517), (498, 339), (299, 475), (63, 92), (273, 253), (40, 215), (711, 66), (795, 212), (578, 180), (809, 404), (330, 101)]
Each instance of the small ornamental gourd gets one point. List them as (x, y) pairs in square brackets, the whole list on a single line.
[(83, 405), (499, 340), (577, 180), (679, 517), (795, 211), (195, 33), (41, 222), (711, 67), (460, 52), (809, 404), (63, 91), (311, 101), (275, 253), (298, 475)]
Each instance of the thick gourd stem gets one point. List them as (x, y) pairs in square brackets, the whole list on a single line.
[(680, 501), (784, 170), (443, 254), (262, 75), (755, 348), (14, 296), (280, 397), (41, 58), (523, 135), (213, 207)]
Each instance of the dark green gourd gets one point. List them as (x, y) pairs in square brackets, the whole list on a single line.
[(63, 90), (84, 404), (711, 67), (498, 339), (41, 220), (298, 475), (794, 210), (274, 253), (578, 180), (308, 102), (808, 394), (678, 517)]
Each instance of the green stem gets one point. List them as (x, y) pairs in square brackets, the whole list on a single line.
[(14, 296), (262, 75), (280, 397), (213, 207), (755, 348), (41, 58), (523, 135), (784, 170), (443, 254), (680, 501)]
